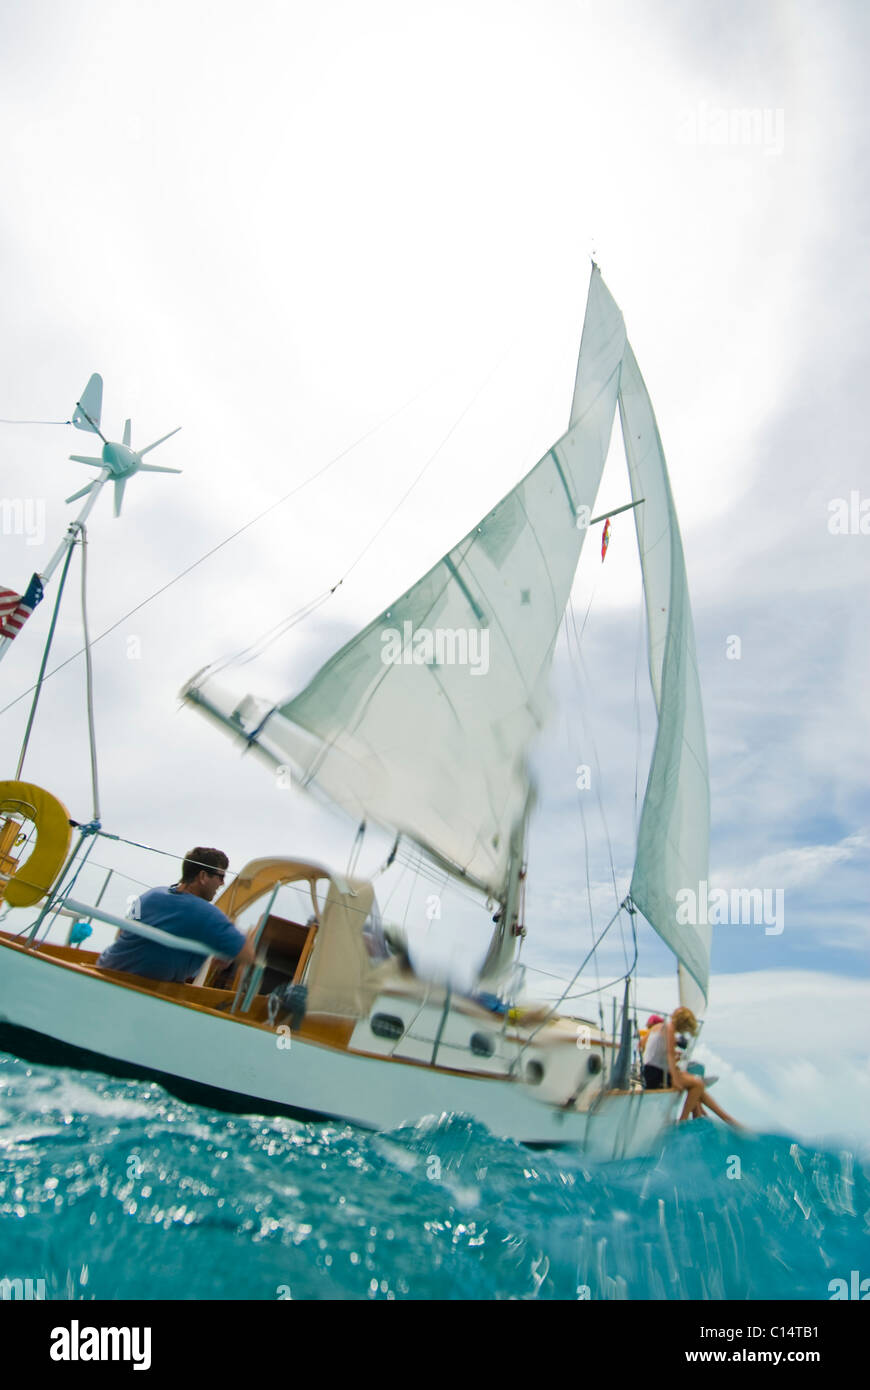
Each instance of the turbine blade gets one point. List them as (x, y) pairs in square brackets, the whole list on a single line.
[(126, 439), (163, 440), (82, 492), (86, 415), (80, 458), (119, 494), (155, 468)]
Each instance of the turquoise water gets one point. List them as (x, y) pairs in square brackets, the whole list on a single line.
[(113, 1189)]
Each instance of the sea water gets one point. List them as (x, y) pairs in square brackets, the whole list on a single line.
[(114, 1189)]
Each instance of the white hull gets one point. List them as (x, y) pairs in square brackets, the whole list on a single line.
[(140, 1029)]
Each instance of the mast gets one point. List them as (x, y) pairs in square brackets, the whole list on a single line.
[(503, 946), (73, 531)]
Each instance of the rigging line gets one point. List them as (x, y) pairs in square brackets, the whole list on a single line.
[(582, 820), (619, 979), (577, 972), (35, 422), (353, 857), (637, 652), (389, 861), (433, 873), (453, 428), (415, 865), (425, 868), (577, 655), (588, 883), (581, 679), (119, 873), (551, 975), (37, 689), (408, 904), (584, 994), (321, 754), (428, 871), (278, 630), (393, 890), (250, 653), (89, 677), (599, 777), (52, 908), (326, 746), (436, 914), (137, 844), (233, 536), (588, 610), (429, 868)]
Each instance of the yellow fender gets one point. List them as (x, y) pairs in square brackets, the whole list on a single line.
[(35, 876)]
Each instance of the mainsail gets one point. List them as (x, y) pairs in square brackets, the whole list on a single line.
[(674, 830), (423, 720)]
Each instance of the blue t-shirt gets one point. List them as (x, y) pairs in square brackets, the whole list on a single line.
[(181, 914)]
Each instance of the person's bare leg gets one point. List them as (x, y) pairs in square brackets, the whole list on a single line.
[(694, 1095), (717, 1110)]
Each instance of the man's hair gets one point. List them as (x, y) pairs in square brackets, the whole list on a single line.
[(201, 858)]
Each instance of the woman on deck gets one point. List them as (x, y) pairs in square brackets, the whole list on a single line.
[(661, 1045)]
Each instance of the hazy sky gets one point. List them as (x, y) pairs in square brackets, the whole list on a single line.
[(291, 228)]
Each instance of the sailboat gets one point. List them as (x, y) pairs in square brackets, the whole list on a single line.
[(407, 727)]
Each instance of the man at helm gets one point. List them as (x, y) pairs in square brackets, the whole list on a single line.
[(186, 910)]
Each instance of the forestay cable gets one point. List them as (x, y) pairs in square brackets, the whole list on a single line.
[(226, 541)]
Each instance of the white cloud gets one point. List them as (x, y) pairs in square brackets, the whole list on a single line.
[(797, 867)]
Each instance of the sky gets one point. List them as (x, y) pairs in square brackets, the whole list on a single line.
[(347, 248)]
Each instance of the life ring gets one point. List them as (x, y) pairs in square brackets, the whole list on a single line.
[(34, 877)]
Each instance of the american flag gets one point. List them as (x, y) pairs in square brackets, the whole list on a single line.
[(15, 609)]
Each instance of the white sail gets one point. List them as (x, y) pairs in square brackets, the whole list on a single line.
[(674, 831), (423, 720)]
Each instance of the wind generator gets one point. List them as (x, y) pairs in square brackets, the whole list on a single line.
[(117, 463)]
